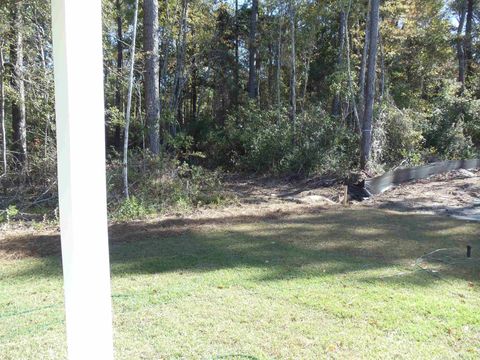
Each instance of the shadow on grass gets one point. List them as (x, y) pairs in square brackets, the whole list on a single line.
[(316, 244)]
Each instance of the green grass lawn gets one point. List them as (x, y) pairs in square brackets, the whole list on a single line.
[(330, 284)]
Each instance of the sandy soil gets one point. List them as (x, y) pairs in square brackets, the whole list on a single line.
[(456, 194)]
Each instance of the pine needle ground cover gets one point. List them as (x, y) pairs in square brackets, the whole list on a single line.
[(345, 284)]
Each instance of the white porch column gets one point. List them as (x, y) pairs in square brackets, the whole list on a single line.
[(77, 42)]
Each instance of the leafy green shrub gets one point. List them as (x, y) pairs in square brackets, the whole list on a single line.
[(8, 214), (453, 128), (449, 129), (266, 142), (160, 184), (397, 137), (131, 208)]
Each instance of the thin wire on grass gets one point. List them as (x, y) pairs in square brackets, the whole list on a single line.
[(448, 260), (28, 311), (421, 258)]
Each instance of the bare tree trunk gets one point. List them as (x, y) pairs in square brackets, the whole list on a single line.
[(129, 103), (163, 70), (363, 67), (349, 70), (19, 123), (237, 56), (269, 73), (341, 46), (258, 68), (142, 123), (202, 95), (460, 49), (2, 112), (293, 79), (382, 68), (40, 37), (306, 70), (41, 47), (179, 80), (468, 46), (118, 90), (150, 46), (279, 66), (194, 87), (252, 52), (366, 141)]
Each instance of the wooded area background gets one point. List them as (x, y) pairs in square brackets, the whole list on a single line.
[(198, 87)]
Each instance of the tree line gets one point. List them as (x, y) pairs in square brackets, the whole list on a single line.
[(285, 86)]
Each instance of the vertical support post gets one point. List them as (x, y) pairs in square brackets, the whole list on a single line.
[(345, 195), (77, 42)]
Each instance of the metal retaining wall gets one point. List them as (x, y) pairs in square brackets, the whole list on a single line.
[(379, 184)]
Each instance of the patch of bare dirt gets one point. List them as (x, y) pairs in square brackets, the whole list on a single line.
[(261, 199), (256, 199), (257, 191), (456, 194)]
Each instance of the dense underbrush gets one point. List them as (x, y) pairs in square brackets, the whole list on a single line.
[(157, 185), (189, 170)]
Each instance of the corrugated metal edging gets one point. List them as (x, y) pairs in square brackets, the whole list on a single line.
[(379, 184)]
